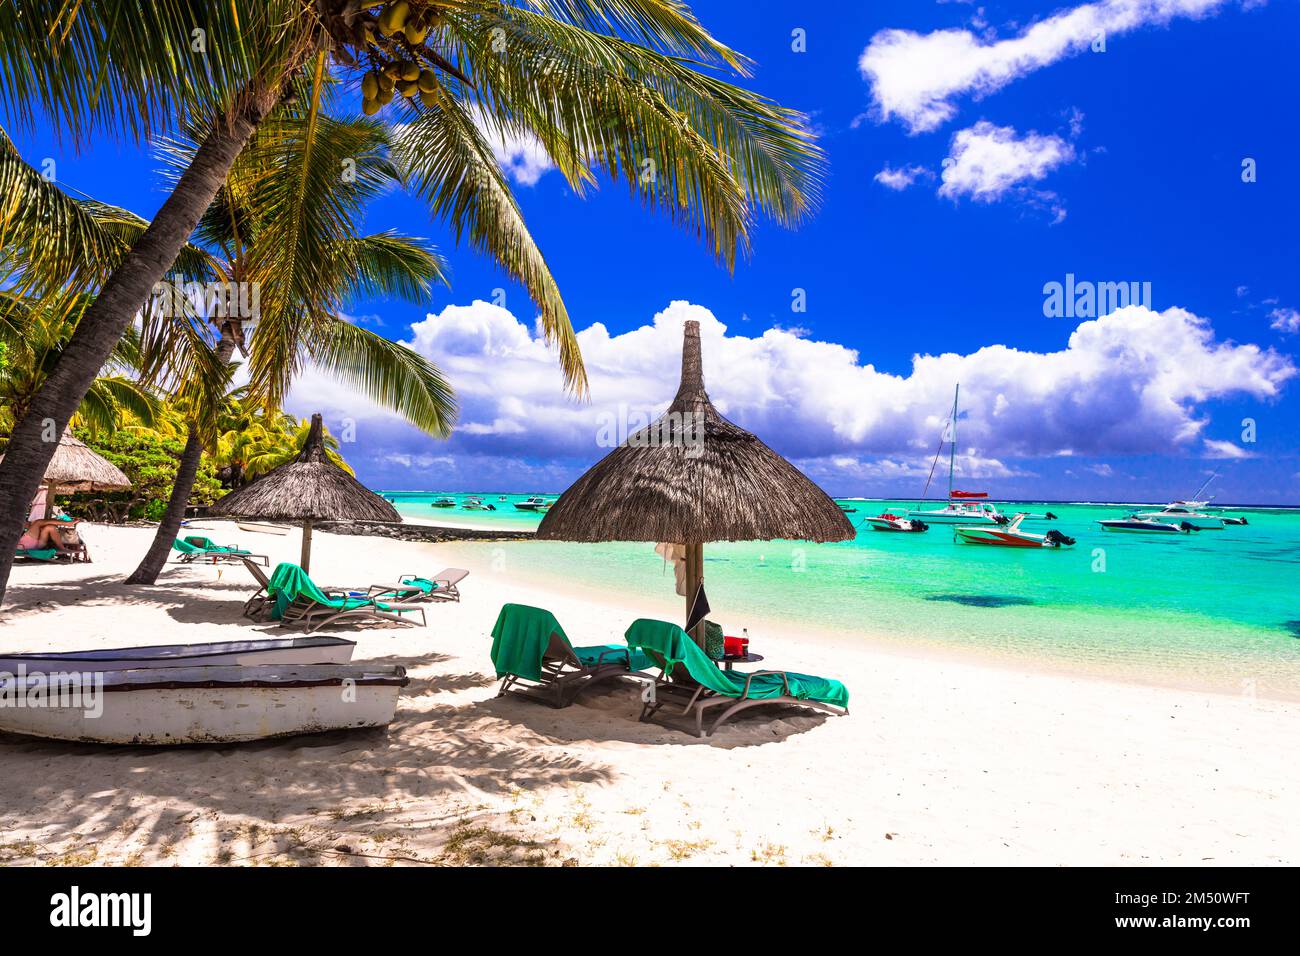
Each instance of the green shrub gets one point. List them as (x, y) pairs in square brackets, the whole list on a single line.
[(150, 461)]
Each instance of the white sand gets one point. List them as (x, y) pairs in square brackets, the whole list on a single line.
[(940, 761)]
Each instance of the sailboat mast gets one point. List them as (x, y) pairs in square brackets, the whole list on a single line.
[(952, 451)]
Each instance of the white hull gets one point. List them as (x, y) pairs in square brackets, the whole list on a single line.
[(953, 517), (281, 650), (260, 528), (211, 704), (1121, 526), (1201, 522)]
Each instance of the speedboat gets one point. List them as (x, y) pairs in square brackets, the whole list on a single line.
[(1137, 525), (443, 503), (1177, 512), (535, 503), (475, 503), (200, 705), (1011, 536), (892, 522)]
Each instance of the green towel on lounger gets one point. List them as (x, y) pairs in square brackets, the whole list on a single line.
[(37, 554), (290, 582), (522, 634), (207, 544), (677, 649), (420, 584)]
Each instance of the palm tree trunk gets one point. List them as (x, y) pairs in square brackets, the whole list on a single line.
[(170, 526), (102, 324), (182, 487)]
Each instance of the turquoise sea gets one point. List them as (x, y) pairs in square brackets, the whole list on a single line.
[(1213, 609)]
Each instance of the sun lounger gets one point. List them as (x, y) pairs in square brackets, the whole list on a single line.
[(411, 587), (294, 600), (39, 554), (534, 658), (690, 678), (197, 548), (256, 607), (53, 539)]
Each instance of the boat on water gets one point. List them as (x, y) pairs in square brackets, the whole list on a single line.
[(274, 650), (1010, 536), (264, 527), (1177, 512), (887, 521), (1135, 525), (475, 503), (201, 705), (534, 503), (443, 503), (963, 507)]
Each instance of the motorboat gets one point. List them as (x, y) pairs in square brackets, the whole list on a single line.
[(1177, 512), (1135, 525), (535, 503), (888, 521), (475, 503), (274, 650), (1010, 536), (199, 705), (443, 503)]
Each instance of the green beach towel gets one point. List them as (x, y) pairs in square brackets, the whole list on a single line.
[(677, 649), (290, 582), (421, 584), (37, 554), (198, 543), (522, 634)]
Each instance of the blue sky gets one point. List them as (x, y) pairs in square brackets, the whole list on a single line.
[(976, 153)]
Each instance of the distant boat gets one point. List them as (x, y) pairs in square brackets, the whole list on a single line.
[(1178, 512), (535, 503), (273, 650), (888, 521), (443, 503), (262, 527), (960, 508), (475, 503), (205, 705), (1135, 525), (1011, 536)]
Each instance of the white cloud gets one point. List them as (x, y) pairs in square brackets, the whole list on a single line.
[(916, 78), (986, 162), (1133, 382), (1285, 320), (899, 179), (520, 155), (1103, 469), (1225, 449)]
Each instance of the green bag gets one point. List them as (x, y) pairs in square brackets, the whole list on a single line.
[(714, 645)]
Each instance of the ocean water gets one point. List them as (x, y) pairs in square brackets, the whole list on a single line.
[(1215, 609)]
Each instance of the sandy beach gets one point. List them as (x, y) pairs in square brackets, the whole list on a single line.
[(940, 761)]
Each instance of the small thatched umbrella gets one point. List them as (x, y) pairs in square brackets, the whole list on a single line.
[(691, 477), (74, 467), (309, 488)]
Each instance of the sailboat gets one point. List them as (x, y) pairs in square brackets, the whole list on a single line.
[(964, 507)]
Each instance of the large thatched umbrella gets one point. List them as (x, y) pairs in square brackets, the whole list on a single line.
[(691, 477), (74, 467), (309, 488)]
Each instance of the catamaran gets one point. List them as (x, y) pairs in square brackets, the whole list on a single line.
[(963, 506)]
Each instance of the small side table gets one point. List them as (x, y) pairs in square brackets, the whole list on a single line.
[(729, 660)]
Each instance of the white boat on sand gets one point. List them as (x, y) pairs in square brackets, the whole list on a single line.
[(274, 650), (200, 705), (262, 527)]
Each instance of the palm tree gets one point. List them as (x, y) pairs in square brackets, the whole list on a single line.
[(285, 223), (618, 86)]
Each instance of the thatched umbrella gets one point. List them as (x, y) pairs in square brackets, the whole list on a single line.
[(309, 488), (691, 477), (74, 467)]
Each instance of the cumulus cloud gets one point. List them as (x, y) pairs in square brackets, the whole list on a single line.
[(916, 78), (1133, 382), (987, 162), (1285, 320), (1214, 448), (520, 155), (899, 179)]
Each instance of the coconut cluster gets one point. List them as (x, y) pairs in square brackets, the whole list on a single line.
[(400, 27)]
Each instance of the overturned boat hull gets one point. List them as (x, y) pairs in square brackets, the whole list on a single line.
[(278, 650), (199, 705)]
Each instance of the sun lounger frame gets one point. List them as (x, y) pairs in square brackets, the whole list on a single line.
[(449, 578), (232, 555), (309, 614), (564, 676), (697, 701)]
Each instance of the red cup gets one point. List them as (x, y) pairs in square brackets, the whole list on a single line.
[(733, 646)]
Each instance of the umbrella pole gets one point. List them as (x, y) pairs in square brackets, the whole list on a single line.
[(49, 500), (305, 560), (694, 578)]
